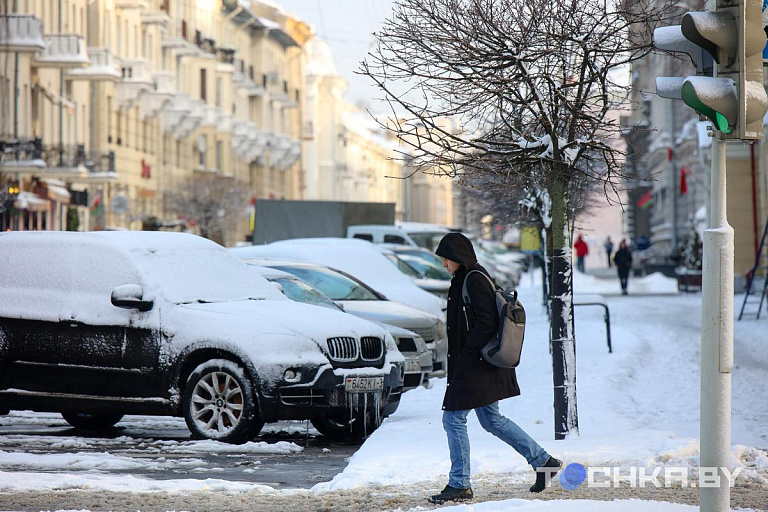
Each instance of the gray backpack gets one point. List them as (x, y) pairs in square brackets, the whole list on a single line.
[(504, 348)]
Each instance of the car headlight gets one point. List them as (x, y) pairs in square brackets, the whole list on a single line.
[(421, 345), (442, 332)]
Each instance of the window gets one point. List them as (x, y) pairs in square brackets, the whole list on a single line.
[(219, 154), (119, 117), (364, 237), (218, 91), (109, 119), (203, 80), (394, 239), (202, 144)]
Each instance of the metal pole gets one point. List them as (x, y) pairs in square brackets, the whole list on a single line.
[(716, 340)]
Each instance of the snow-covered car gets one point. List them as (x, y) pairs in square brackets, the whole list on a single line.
[(418, 357), (358, 258), (98, 325), (359, 299), (436, 286)]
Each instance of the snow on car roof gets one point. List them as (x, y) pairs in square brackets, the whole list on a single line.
[(181, 266), (358, 258)]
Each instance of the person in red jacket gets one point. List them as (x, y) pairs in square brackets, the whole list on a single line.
[(582, 249)]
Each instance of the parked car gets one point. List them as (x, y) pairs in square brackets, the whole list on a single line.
[(355, 257), (418, 357), (434, 285), (405, 233), (358, 299), (98, 325)]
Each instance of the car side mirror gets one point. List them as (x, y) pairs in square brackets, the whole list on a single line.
[(130, 296)]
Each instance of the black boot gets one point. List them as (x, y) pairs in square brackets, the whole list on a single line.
[(452, 494), (545, 473)]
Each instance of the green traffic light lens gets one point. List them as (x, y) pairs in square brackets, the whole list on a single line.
[(721, 123), (690, 98)]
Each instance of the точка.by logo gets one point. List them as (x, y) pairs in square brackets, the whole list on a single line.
[(572, 476)]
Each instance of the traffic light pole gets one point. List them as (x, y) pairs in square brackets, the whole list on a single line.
[(716, 341)]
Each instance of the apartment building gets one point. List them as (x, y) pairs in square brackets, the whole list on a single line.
[(109, 106), (349, 157)]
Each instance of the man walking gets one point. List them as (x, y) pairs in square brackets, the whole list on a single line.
[(608, 249), (623, 260), (473, 383)]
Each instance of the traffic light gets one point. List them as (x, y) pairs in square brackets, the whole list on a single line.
[(733, 97)]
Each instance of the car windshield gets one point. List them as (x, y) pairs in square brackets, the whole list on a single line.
[(427, 256), (331, 283), (402, 266), (299, 291), (426, 269)]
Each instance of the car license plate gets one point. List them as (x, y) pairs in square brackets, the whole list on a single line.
[(412, 367), (363, 384)]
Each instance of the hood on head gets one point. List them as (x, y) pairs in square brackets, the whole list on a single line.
[(457, 247)]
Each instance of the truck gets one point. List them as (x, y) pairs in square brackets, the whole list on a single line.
[(275, 219)]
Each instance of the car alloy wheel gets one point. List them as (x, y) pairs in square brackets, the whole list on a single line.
[(219, 404)]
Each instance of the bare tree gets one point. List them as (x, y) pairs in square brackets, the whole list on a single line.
[(214, 203), (531, 92)]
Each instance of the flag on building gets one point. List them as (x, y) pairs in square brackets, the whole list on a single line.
[(646, 200), (683, 181)]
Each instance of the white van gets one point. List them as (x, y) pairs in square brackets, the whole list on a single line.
[(417, 234)]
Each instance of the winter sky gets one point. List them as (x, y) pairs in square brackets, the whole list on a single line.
[(347, 25)]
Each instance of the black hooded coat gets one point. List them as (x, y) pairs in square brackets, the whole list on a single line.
[(472, 381)]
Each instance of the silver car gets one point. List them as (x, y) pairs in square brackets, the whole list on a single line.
[(418, 357), (361, 300)]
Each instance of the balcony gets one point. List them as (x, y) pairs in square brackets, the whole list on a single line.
[(156, 17), (136, 80), (242, 81), (21, 33), (191, 121), (291, 155), (72, 163), (22, 157), (62, 51), (155, 100), (279, 150), (104, 67), (175, 111)]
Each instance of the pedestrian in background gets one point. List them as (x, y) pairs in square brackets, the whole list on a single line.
[(608, 249), (582, 249), (474, 383), (623, 261)]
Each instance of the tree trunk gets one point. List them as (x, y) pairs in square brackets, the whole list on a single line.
[(561, 315)]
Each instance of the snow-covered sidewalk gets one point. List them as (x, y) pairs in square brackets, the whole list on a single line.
[(638, 408)]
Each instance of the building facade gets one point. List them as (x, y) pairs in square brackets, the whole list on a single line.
[(110, 106)]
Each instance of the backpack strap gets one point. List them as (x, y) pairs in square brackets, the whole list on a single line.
[(466, 303), (465, 294)]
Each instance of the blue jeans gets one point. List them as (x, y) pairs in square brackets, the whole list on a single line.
[(455, 425)]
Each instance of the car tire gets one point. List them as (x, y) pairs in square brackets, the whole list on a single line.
[(344, 428), (92, 421), (219, 403)]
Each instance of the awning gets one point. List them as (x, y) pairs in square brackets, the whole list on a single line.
[(32, 202), (57, 191)]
